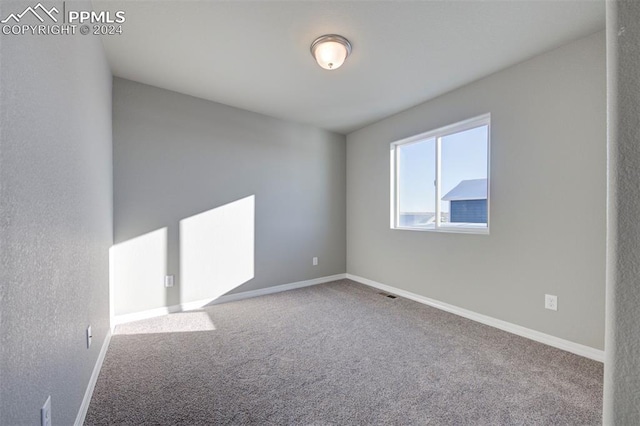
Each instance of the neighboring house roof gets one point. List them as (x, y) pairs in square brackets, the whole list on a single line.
[(472, 189)]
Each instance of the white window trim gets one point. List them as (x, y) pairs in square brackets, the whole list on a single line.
[(438, 134)]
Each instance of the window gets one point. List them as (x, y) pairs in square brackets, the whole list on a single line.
[(440, 179)]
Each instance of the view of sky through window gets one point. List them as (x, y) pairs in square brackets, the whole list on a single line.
[(417, 174), (463, 157)]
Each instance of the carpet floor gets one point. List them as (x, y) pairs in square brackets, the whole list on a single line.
[(337, 354)]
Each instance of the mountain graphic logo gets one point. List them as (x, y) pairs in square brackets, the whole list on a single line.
[(34, 11)]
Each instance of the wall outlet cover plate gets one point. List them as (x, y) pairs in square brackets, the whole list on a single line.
[(168, 281), (551, 302)]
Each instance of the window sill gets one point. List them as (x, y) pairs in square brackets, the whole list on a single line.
[(447, 229)]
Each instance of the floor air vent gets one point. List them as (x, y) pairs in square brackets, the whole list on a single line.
[(390, 296)]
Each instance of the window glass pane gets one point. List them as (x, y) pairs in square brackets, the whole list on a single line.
[(463, 178), (416, 189)]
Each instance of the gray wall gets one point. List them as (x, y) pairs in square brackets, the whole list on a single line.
[(622, 364), (177, 156), (548, 161), (55, 220)]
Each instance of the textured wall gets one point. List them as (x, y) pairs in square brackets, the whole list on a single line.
[(548, 160), (55, 220), (177, 156), (622, 365)]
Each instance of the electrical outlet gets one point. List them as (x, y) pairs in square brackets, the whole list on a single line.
[(89, 336), (315, 261), (45, 413), (551, 302), (168, 281)]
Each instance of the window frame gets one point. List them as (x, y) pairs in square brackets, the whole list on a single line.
[(438, 134)]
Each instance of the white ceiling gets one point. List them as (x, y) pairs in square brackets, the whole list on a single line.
[(255, 55)]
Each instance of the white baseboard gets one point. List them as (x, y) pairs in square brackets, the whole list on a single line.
[(576, 348), (187, 306), (84, 407)]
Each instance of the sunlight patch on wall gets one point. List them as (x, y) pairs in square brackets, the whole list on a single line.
[(217, 250), (139, 267)]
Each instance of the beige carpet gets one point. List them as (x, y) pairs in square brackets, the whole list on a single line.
[(337, 354)]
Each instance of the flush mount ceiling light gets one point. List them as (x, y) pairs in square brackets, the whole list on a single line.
[(330, 51)]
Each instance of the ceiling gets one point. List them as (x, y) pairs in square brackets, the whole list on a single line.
[(255, 55)]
